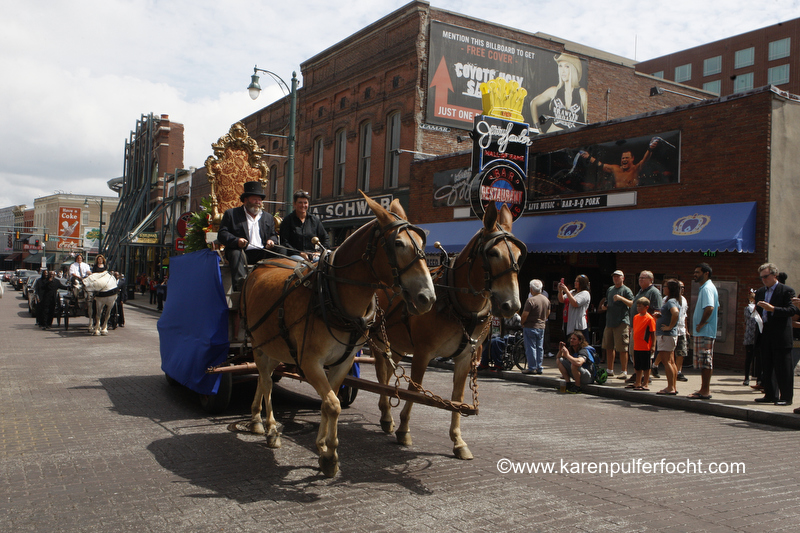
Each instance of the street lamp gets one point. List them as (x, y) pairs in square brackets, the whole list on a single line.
[(655, 91), (255, 89), (100, 237)]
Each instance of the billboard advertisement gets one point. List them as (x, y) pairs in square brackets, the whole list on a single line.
[(461, 59), (69, 227), (619, 164)]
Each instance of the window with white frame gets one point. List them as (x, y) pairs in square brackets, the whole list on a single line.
[(392, 174), (683, 73), (364, 155), (743, 82), (285, 178), (713, 86), (273, 182), (712, 65), (778, 75), (779, 49), (744, 58), (659, 74), (316, 182), (340, 155)]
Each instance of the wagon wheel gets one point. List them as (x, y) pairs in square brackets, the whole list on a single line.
[(347, 394), (518, 354), (216, 403)]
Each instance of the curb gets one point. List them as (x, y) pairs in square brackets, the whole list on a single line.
[(706, 407)]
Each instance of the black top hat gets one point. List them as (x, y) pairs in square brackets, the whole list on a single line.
[(253, 188)]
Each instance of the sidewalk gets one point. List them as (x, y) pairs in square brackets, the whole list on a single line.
[(142, 302), (729, 398)]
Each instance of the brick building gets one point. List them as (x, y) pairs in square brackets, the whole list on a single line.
[(384, 111), (734, 175), (138, 238), (366, 109), (767, 56)]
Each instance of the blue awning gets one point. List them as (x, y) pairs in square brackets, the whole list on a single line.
[(691, 228)]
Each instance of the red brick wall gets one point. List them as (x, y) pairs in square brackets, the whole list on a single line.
[(725, 158)]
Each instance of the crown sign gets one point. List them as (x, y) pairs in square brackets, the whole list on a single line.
[(503, 99)]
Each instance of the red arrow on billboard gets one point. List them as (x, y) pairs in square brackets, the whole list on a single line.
[(444, 86)]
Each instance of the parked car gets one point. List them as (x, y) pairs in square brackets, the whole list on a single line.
[(26, 289), (20, 277), (33, 294)]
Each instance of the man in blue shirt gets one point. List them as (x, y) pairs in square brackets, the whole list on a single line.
[(704, 322)]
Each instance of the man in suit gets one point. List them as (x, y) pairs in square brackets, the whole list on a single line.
[(774, 303), (247, 232)]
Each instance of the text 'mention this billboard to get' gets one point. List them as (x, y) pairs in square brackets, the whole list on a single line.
[(461, 59)]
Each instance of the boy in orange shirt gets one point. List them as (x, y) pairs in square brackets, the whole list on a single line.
[(644, 335)]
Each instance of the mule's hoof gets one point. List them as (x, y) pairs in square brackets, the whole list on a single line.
[(387, 426), (404, 438), (247, 427), (329, 466), (274, 441), (463, 453)]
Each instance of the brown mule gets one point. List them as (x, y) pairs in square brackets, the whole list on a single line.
[(319, 317), (482, 282)]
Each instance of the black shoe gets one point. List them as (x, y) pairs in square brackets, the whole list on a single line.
[(783, 403), (765, 400), (681, 377), (573, 389), (746, 382), (654, 372)]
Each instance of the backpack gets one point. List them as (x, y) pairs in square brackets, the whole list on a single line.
[(590, 364)]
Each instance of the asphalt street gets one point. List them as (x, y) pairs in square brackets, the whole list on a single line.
[(92, 438)]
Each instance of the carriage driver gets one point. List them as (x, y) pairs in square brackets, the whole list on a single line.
[(247, 232), (79, 270)]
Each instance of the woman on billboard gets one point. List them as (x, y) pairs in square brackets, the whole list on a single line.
[(565, 104)]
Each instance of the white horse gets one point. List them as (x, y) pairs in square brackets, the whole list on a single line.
[(102, 288)]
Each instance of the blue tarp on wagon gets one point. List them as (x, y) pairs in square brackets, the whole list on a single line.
[(193, 329)]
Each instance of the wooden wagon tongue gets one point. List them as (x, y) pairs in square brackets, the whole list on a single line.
[(359, 383)]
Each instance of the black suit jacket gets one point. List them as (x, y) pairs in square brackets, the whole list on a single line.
[(234, 227), (778, 328)]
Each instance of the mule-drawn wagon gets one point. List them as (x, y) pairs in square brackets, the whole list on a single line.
[(307, 321)]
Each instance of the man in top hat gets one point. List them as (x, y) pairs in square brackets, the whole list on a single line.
[(247, 232)]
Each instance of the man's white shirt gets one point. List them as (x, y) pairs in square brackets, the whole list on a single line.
[(253, 231)]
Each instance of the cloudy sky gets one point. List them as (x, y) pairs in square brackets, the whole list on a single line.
[(76, 75)]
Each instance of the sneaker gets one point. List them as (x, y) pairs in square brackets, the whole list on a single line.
[(539, 372), (529, 372), (681, 377), (622, 375), (746, 382), (610, 373), (631, 379), (654, 372), (573, 389)]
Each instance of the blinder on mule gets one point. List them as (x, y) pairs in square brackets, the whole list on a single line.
[(387, 242), (490, 241)]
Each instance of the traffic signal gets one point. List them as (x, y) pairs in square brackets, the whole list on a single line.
[(36, 242), (46, 237), (10, 242), (16, 235)]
